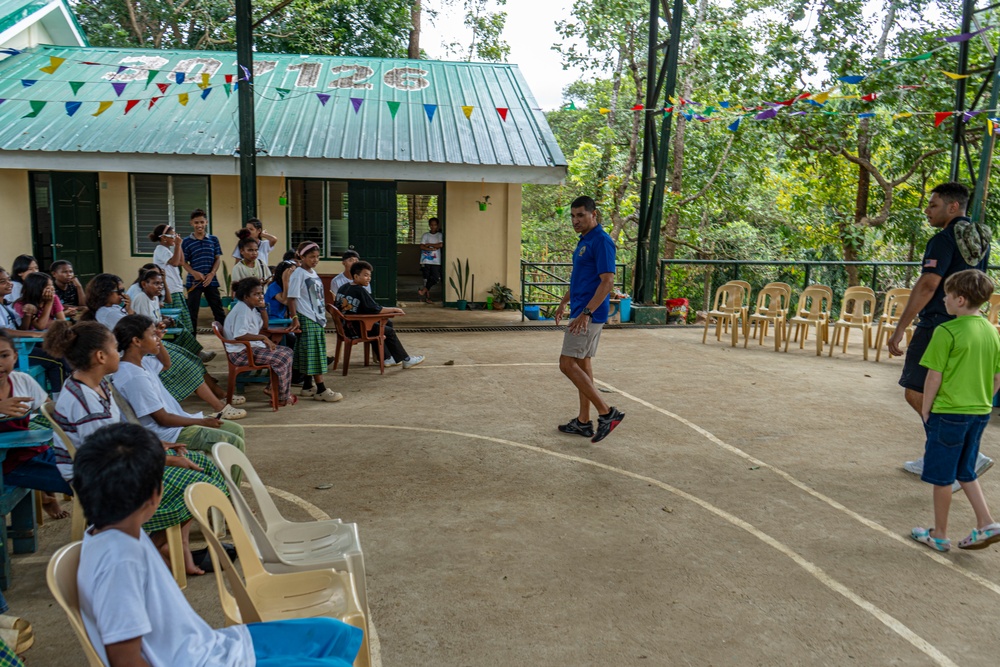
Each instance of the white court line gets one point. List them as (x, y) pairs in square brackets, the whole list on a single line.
[(817, 572)]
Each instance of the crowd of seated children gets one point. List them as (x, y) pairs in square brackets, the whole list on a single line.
[(354, 299), (68, 288), (86, 404), (307, 308), (147, 302), (245, 322), (107, 304), (56, 370)]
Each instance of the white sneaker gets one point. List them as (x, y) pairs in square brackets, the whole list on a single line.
[(413, 361), (311, 391), (916, 467), (391, 362), (983, 463), (206, 356), (329, 396), (229, 412), (238, 400)]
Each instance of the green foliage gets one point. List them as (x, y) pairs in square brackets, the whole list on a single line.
[(463, 280)]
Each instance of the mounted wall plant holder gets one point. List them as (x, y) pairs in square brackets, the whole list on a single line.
[(484, 202)]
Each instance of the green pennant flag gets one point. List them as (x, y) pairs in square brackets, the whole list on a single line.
[(393, 108), (76, 86), (36, 108), (922, 56), (150, 77), (228, 87), (282, 92), (569, 107)]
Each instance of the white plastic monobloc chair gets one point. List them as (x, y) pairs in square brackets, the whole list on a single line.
[(291, 546)]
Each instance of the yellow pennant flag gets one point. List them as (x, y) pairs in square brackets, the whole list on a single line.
[(845, 97), (904, 114), (183, 99), (104, 106), (54, 64), (952, 75), (989, 126), (822, 97), (204, 81), (672, 100), (467, 111), (603, 111)]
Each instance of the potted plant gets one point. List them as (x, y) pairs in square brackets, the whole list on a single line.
[(227, 301), (484, 202), (461, 289), (502, 296)]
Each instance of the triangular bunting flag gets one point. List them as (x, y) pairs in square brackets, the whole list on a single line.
[(956, 77), (356, 103), (853, 79), (246, 73), (130, 104), (393, 108), (54, 64), (163, 87), (569, 107), (323, 98), (121, 68), (603, 111), (228, 87), (912, 59), (989, 126), (152, 101), (765, 115), (637, 107), (902, 114), (83, 62), (205, 93), (28, 83), (503, 113), (940, 117), (183, 99), (10, 51), (150, 77), (179, 77), (734, 125), (870, 97), (815, 103), (101, 108), (724, 105), (229, 78), (204, 81), (429, 109), (868, 114), (72, 107), (965, 36), (119, 88), (467, 110), (282, 92), (75, 86), (36, 108)]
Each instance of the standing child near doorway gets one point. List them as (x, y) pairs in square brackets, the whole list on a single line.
[(963, 375), (307, 308), (430, 258)]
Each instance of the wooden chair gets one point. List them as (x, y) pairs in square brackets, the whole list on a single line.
[(813, 310), (234, 370), (260, 595), (728, 310), (61, 578), (895, 303), (771, 309), (857, 311), (366, 324), (175, 544)]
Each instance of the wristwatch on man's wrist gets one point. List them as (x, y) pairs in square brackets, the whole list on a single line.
[(586, 311)]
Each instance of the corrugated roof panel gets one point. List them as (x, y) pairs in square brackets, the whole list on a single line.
[(289, 124)]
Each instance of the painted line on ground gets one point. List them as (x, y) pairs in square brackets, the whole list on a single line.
[(817, 572), (422, 367)]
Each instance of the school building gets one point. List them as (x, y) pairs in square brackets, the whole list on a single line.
[(100, 145)]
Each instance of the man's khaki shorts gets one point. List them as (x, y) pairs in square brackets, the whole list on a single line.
[(584, 345)]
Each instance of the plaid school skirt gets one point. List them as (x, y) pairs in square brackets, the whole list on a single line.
[(179, 300), (172, 510), (187, 341), (310, 348), (186, 372)]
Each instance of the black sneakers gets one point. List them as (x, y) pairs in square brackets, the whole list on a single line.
[(607, 423), (577, 427)]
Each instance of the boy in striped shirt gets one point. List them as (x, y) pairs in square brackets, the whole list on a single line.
[(202, 261)]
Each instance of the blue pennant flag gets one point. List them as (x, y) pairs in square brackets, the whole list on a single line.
[(72, 107), (853, 78), (27, 83), (430, 109), (724, 105), (204, 93), (734, 125), (179, 77)]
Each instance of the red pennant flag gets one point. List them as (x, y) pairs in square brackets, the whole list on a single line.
[(503, 112), (152, 101), (163, 87), (229, 78), (940, 117), (130, 104), (870, 97), (638, 107), (803, 96), (668, 109)]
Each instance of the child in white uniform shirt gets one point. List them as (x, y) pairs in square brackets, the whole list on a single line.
[(245, 322)]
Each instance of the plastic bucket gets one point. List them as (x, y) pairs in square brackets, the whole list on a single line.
[(532, 312), (626, 310)]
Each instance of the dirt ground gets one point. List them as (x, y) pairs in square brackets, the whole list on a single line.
[(750, 510)]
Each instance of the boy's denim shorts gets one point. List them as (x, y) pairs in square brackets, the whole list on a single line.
[(952, 448)]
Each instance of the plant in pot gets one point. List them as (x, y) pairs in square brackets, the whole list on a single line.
[(502, 296), (462, 287), (227, 280)]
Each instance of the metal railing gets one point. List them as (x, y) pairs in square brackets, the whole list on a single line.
[(550, 280)]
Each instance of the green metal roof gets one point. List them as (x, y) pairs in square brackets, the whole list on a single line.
[(354, 133)]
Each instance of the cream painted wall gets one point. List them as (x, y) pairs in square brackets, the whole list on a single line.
[(16, 225), (490, 240)]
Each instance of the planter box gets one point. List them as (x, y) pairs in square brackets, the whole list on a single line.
[(649, 314)]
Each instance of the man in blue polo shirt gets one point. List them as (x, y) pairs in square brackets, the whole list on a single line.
[(959, 245), (590, 287), (202, 260)]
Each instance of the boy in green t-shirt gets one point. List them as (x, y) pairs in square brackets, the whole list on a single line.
[(963, 362)]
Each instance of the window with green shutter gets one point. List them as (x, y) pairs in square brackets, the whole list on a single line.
[(164, 199)]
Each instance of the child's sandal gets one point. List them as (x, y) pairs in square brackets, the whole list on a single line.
[(980, 539), (923, 535)]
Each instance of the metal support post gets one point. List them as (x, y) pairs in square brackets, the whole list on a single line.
[(248, 132), (958, 137)]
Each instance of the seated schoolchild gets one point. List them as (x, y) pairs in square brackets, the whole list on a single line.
[(348, 258), (133, 612), (86, 404), (27, 467), (245, 322), (354, 299), (107, 304), (147, 301), (38, 304), (56, 370), (68, 288), (138, 381), (250, 264), (23, 266)]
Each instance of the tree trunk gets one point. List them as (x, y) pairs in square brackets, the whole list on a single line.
[(413, 52)]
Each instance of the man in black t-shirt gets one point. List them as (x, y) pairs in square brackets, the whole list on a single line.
[(355, 299), (961, 244)]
